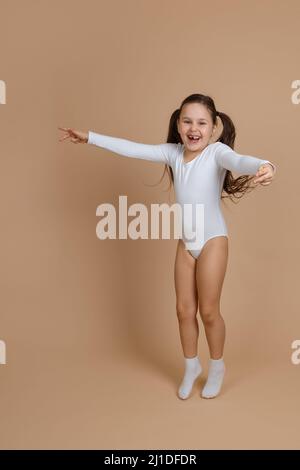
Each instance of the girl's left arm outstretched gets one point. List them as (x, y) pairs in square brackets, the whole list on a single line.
[(263, 170)]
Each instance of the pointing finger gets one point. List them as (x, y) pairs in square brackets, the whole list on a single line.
[(64, 138)]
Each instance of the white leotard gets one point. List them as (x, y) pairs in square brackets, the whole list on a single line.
[(199, 181)]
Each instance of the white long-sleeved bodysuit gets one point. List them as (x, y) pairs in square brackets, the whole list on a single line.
[(197, 182)]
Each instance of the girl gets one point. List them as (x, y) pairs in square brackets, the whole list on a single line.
[(201, 171)]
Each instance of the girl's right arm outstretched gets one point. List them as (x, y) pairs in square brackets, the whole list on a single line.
[(157, 153)]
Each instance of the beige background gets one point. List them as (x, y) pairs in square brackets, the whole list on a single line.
[(93, 351)]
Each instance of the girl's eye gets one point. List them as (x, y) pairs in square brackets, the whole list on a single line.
[(187, 122)]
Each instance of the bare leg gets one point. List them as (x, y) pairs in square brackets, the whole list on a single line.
[(210, 273), (186, 300), (187, 307)]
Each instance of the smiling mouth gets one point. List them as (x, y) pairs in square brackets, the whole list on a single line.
[(193, 139)]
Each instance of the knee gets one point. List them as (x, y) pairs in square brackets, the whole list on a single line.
[(185, 311), (209, 313)]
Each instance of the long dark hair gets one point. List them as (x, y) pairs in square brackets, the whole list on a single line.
[(234, 187)]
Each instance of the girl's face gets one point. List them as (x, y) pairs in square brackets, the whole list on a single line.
[(195, 120)]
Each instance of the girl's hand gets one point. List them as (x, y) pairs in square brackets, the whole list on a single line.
[(77, 137), (265, 174)]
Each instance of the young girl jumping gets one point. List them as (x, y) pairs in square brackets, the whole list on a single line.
[(200, 171)]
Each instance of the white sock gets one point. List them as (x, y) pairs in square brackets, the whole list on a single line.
[(215, 378), (192, 371)]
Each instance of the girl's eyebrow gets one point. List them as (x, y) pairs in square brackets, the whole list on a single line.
[(200, 119)]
